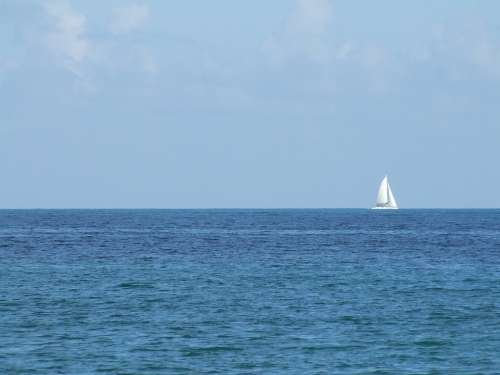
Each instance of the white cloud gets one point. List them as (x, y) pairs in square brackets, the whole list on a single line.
[(7, 65), (466, 49), (220, 95), (129, 18), (345, 51), (304, 34), (67, 39), (373, 56), (3, 63), (485, 54), (312, 16), (3, 68), (149, 62)]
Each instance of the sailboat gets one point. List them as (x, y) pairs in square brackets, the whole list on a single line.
[(385, 198)]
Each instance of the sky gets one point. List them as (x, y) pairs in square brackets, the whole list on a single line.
[(255, 104)]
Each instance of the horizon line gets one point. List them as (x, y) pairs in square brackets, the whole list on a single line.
[(231, 208)]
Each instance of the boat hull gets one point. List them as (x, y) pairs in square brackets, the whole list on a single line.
[(385, 208)]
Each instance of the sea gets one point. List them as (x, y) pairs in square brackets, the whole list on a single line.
[(325, 291)]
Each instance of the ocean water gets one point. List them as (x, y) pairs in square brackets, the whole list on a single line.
[(250, 292)]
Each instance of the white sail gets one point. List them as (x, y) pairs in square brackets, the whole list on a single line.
[(392, 201), (385, 197), (382, 196)]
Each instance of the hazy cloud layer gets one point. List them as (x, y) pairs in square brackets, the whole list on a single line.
[(278, 102), (310, 32)]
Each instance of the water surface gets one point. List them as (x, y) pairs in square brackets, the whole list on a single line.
[(250, 291)]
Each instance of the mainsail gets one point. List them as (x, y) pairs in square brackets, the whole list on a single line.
[(385, 197)]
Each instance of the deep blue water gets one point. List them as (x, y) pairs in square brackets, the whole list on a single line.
[(250, 291)]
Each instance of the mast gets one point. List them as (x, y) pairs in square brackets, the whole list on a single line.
[(387, 190)]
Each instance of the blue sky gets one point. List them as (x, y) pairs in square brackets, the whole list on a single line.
[(283, 103)]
